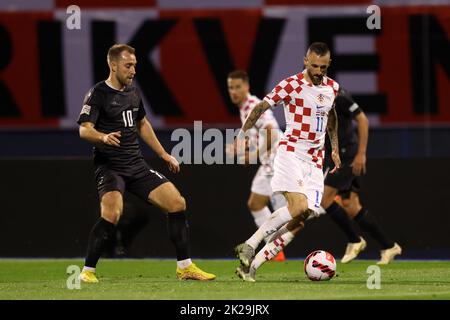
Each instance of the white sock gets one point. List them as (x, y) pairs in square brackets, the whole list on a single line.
[(271, 249), (276, 220), (261, 216), (182, 264), (88, 269)]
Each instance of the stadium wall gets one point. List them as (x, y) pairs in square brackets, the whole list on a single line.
[(49, 207)]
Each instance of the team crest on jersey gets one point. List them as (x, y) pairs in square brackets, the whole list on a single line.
[(86, 109), (321, 98)]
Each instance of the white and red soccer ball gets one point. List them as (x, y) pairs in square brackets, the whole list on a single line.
[(320, 265)]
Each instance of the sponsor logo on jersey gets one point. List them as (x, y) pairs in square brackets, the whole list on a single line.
[(86, 109)]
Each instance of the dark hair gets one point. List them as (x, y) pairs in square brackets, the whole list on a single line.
[(319, 48), (115, 51), (239, 74)]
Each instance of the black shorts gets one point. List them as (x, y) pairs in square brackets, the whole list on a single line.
[(139, 180), (343, 179)]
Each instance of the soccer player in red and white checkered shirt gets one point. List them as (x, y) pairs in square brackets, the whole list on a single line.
[(308, 99), (264, 139)]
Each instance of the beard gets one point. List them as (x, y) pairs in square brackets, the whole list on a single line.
[(316, 79), (124, 81)]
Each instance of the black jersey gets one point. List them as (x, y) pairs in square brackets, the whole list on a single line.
[(347, 109), (113, 110)]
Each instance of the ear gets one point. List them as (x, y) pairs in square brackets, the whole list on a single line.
[(305, 61), (113, 66)]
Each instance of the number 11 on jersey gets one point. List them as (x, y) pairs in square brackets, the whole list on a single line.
[(319, 127)]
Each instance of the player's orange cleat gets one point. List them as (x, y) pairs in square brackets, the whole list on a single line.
[(194, 273), (280, 257)]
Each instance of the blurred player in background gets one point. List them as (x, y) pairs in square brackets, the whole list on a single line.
[(264, 136), (346, 183), (308, 99), (112, 118)]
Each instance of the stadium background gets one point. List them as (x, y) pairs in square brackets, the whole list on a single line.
[(399, 75)]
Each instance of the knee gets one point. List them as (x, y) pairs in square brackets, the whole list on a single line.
[(177, 205), (350, 208), (112, 214), (346, 203), (298, 208), (254, 205)]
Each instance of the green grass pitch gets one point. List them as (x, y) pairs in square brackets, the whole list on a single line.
[(155, 280)]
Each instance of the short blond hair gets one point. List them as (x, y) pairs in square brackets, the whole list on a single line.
[(116, 50)]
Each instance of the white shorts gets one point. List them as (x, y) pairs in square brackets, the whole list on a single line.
[(261, 182), (292, 174)]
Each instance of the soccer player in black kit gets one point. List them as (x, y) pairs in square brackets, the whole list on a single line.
[(112, 118), (346, 183)]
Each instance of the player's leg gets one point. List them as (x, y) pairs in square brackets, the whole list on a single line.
[(257, 204), (288, 170), (261, 195), (368, 223), (167, 197), (274, 246), (110, 187), (296, 206), (102, 233), (342, 180), (301, 205)]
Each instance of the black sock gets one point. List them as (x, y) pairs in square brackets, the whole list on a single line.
[(339, 216), (178, 229), (101, 234), (369, 224)]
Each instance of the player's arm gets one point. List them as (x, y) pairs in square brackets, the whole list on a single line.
[(90, 134), (255, 114), (147, 134), (332, 129), (257, 111), (359, 162)]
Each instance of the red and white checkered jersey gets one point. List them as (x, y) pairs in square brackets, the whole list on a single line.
[(306, 108), (266, 119)]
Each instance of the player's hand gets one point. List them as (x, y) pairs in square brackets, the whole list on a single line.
[(172, 163), (112, 139), (336, 160), (359, 164)]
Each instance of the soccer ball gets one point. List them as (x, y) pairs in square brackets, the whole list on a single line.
[(319, 265)]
